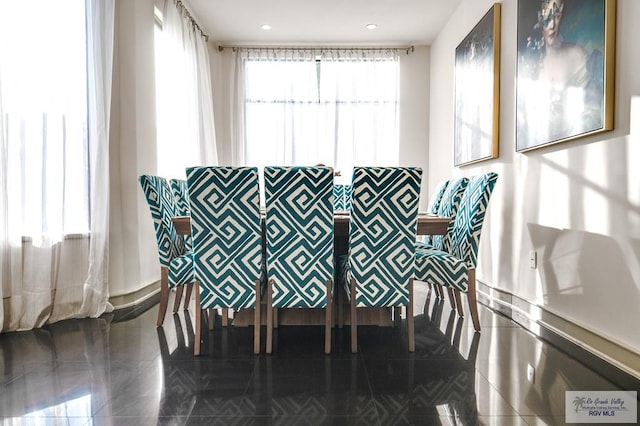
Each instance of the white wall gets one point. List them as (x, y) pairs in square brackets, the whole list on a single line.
[(576, 203), (133, 255)]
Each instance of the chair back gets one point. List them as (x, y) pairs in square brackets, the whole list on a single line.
[(382, 233), (434, 202), (179, 190), (467, 226), (227, 235), (162, 207), (299, 234), (341, 197), (448, 208)]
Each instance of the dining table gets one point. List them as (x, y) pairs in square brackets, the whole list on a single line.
[(428, 224)]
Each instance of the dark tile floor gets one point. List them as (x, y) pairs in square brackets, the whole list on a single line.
[(99, 371)]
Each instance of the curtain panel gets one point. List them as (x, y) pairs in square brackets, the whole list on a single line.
[(308, 106), (185, 120), (53, 160)]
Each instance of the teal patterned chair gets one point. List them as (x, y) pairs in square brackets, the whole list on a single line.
[(448, 207), (434, 202), (379, 268), (176, 264), (341, 197), (455, 266), (227, 241), (299, 242), (179, 190), (424, 241)]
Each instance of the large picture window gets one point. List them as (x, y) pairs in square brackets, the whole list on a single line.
[(43, 99), (337, 107)]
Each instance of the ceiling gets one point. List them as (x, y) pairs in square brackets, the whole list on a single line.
[(322, 22)]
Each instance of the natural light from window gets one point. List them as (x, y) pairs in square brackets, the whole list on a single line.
[(342, 113), (43, 92)]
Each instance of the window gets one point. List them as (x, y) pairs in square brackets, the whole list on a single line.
[(43, 99), (175, 124), (337, 107)]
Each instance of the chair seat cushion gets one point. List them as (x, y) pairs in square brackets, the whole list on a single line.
[(181, 270), (440, 267)]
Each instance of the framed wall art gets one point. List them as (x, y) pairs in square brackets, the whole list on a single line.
[(477, 91), (565, 70)]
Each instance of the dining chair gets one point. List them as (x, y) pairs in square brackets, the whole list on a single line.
[(227, 241), (447, 207), (379, 267), (454, 266), (434, 203), (341, 197), (179, 190), (176, 263), (299, 242)]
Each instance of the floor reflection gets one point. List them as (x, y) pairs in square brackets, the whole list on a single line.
[(100, 371)]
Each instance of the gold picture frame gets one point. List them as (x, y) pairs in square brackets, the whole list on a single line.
[(565, 70), (477, 91)]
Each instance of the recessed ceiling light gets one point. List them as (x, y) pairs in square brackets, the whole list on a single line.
[(371, 26), (265, 27)]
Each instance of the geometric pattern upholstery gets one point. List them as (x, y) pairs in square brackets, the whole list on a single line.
[(299, 234), (465, 238), (179, 190), (424, 241), (341, 198), (434, 202), (226, 232), (382, 235), (448, 208), (171, 249), (450, 268)]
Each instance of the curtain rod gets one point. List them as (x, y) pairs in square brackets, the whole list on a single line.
[(182, 8), (408, 49)]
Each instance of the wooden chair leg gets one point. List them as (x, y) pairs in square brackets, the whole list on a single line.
[(212, 318), (354, 318), (397, 316), (256, 321), (176, 302), (410, 330), (436, 289), (472, 297), (225, 317), (164, 294), (459, 307), (340, 302), (328, 320), (198, 330), (269, 307), (440, 291), (187, 297), (452, 301)]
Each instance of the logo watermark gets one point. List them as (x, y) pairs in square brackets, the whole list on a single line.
[(601, 406)]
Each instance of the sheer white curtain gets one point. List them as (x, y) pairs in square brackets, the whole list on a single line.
[(185, 126), (359, 92), (308, 106), (55, 81)]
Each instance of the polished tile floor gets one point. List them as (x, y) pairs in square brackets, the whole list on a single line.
[(128, 372)]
